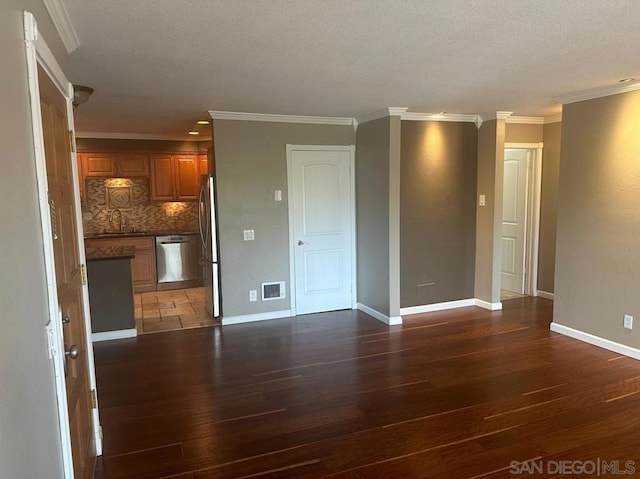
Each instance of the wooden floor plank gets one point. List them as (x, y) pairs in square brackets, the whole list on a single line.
[(449, 394)]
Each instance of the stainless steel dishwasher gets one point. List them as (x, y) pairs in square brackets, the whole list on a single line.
[(177, 258)]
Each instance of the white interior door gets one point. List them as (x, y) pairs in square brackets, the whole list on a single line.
[(321, 207), (514, 219)]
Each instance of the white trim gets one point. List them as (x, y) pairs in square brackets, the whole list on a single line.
[(391, 321), (352, 173), (62, 21), (139, 136), (526, 120), (487, 305), (598, 92), (553, 119), (455, 117), (595, 340), (545, 294), (117, 334), (529, 146), (428, 308), (54, 326), (385, 112), (314, 120), (249, 318)]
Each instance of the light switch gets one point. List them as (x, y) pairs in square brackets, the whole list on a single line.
[(278, 195), (249, 235), (482, 201)]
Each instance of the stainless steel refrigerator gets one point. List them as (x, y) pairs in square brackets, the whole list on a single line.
[(209, 238)]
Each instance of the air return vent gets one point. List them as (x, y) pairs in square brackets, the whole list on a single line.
[(273, 291)]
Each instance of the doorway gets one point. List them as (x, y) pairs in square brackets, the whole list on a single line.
[(321, 227), (520, 219)]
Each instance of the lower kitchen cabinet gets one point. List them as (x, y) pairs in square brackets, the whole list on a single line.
[(143, 265)]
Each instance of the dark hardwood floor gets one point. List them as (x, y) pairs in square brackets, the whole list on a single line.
[(453, 394)]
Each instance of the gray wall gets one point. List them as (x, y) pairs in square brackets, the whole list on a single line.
[(549, 206), (489, 218), (598, 251), (523, 133), (251, 164), (372, 213), (438, 214), (29, 435)]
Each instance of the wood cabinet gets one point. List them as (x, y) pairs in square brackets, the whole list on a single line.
[(109, 165), (143, 266), (81, 182), (175, 177), (203, 164)]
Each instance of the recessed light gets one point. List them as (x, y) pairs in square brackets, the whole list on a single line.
[(626, 80), (202, 122), (193, 132)]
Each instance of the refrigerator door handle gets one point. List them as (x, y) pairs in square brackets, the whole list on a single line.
[(201, 205)]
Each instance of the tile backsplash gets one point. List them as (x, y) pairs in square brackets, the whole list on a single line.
[(143, 214)]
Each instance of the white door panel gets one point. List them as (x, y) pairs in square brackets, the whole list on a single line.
[(322, 224), (514, 220)]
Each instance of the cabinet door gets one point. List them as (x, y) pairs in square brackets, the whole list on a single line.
[(203, 164), (162, 184), (132, 165), (98, 164), (143, 267), (83, 197), (187, 177)]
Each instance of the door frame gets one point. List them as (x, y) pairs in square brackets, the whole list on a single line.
[(532, 223), (39, 54), (352, 213)]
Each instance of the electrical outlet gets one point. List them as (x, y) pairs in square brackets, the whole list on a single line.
[(249, 235), (628, 321), (278, 195), (253, 295)]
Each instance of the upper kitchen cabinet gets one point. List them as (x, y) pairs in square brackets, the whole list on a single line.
[(109, 165), (83, 195), (175, 177)]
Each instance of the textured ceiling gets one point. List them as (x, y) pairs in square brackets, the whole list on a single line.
[(158, 65)]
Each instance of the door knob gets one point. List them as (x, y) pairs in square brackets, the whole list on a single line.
[(73, 352), (300, 242)]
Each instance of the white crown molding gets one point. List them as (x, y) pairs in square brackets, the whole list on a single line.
[(526, 120), (598, 92), (62, 21), (497, 115), (385, 112), (138, 136), (553, 119), (455, 117), (268, 117)]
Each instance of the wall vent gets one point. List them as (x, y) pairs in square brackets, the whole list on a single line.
[(273, 290)]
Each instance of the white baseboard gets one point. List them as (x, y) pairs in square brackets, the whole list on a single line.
[(118, 334), (249, 318), (391, 321), (544, 294), (596, 340), (486, 305), (428, 308)]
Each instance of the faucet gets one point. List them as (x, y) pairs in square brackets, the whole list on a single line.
[(119, 218)]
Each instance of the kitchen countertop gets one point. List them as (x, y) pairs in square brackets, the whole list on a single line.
[(139, 233), (104, 254)]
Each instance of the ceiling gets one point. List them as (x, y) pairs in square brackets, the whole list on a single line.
[(157, 66)]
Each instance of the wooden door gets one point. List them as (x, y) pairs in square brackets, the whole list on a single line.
[(68, 274), (132, 165), (322, 229), (162, 185), (514, 212), (187, 177), (203, 164), (99, 164)]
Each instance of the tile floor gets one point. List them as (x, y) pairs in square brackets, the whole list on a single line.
[(157, 311), (504, 294)]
